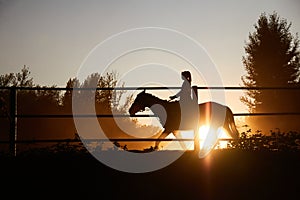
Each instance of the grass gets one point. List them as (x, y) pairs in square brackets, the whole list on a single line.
[(254, 167), (224, 174)]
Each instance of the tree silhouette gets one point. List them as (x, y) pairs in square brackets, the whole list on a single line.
[(45, 100), (66, 99), (20, 79), (271, 60)]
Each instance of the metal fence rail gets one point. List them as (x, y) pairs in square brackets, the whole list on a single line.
[(13, 115)]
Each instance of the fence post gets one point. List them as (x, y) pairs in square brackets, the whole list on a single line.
[(196, 130), (13, 121)]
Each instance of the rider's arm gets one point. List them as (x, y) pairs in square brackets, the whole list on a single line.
[(185, 86)]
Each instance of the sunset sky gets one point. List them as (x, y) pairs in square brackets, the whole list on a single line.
[(53, 38)]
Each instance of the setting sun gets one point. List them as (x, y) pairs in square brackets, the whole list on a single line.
[(189, 145), (203, 134)]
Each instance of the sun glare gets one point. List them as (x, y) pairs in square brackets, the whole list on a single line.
[(203, 134), (176, 145)]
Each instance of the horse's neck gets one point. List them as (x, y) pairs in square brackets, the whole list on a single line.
[(157, 106), (152, 100)]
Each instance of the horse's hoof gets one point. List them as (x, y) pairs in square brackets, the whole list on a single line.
[(150, 149)]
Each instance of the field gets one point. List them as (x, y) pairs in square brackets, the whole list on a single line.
[(224, 174)]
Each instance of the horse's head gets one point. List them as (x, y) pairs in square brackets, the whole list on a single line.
[(138, 104)]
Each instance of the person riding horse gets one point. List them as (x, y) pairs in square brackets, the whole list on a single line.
[(185, 93), (185, 99)]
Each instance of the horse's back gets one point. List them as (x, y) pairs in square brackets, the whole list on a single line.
[(213, 111), (211, 105)]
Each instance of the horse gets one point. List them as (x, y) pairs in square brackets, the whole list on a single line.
[(171, 114)]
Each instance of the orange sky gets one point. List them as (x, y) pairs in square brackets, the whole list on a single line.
[(54, 37)]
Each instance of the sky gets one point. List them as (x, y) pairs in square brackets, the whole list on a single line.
[(53, 38)]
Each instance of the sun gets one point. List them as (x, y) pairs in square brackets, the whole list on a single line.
[(203, 135)]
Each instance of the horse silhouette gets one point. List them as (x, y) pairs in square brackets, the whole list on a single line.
[(172, 115)]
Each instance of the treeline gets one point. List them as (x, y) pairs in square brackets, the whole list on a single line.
[(44, 101), (272, 59)]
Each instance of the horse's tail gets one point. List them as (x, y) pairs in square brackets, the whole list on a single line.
[(231, 123)]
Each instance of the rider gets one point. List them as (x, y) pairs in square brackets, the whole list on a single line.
[(185, 100), (187, 105), (185, 93)]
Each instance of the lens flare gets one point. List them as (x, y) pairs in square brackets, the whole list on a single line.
[(209, 138), (203, 131)]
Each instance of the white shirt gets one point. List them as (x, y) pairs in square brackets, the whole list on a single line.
[(185, 92)]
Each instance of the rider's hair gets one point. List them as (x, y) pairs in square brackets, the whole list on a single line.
[(187, 75)]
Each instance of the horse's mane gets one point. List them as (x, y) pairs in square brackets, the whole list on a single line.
[(155, 97)]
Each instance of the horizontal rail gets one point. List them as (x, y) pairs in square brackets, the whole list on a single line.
[(90, 88), (248, 88), (124, 115), (266, 114), (109, 140), (153, 88)]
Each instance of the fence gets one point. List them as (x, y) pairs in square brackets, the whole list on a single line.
[(13, 114)]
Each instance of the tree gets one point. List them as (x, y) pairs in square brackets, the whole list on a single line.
[(67, 96), (20, 79), (271, 60)]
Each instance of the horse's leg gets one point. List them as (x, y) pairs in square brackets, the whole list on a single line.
[(226, 125), (178, 136), (211, 139), (229, 125), (232, 125), (162, 136)]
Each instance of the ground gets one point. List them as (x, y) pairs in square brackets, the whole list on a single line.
[(224, 174)]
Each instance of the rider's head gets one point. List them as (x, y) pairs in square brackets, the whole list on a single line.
[(186, 75)]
